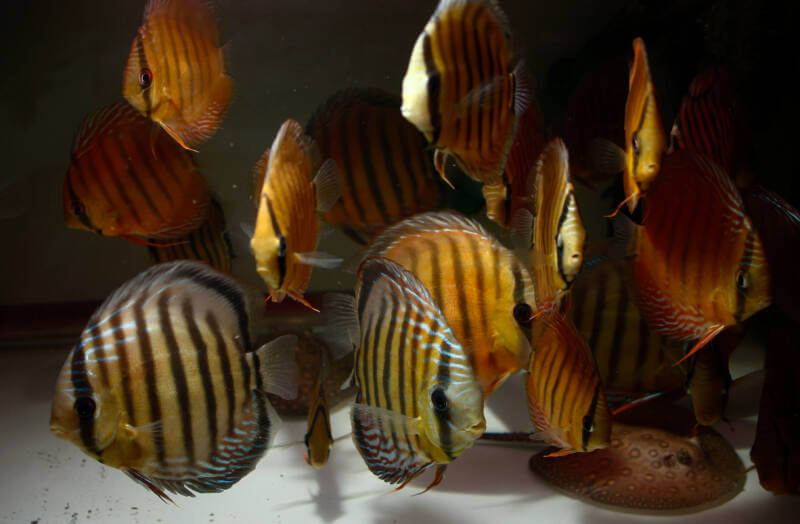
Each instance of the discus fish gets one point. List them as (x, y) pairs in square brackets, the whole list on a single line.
[(649, 470), (127, 178), (175, 73), (633, 359), (164, 384), (287, 227), (464, 89), (566, 401), (645, 138), (706, 121), (553, 236), (513, 193), (385, 171), (418, 404), (484, 291), (208, 244), (699, 264)]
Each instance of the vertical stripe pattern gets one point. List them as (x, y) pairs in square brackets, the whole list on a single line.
[(127, 177), (165, 356)]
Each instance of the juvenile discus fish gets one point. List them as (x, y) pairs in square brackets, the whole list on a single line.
[(209, 244), (287, 226), (386, 172), (175, 73), (128, 178), (418, 403), (552, 236), (164, 384), (649, 470), (645, 138), (699, 264), (464, 89), (566, 401), (485, 292)]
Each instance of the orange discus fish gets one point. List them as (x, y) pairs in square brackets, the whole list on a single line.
[(553, 236), (645, 138), (386, 173), (505, 198), (484, 291), (287, 227), (566, 401), (175, 73), (700, 265), (128, 178), (464, 89)]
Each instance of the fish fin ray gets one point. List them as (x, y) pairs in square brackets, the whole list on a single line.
[(277, 366), (342, 321), (319, 259), (606, 156), (326, 184)]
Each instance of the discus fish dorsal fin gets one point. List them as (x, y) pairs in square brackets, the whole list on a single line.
[(277, 366), (326, 184), (523, 89), (522, 230), (606, 157), (319, 259)]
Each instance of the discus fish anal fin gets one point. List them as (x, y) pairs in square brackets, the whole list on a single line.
[(440, 469)]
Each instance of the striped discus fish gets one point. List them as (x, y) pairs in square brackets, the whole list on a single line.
[(645, 138), (287, 227), (553, 235), (484, 291), (208, 244), (163, 385), (566, 401), (386, 173), (418, 403), (706, 120), (778, 226), (633, 360), (175, 73), (127, 178), (505, 198), (462, 89), (699, 264)]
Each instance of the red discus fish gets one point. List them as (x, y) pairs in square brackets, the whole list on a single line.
[(175, 73), (128, 178), (700, 266)]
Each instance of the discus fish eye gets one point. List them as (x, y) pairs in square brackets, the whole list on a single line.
[(282, 247), (78, 208), (635, 142), (439, 400), (145, 78), (742, 280), (588, 427), (84, 407), (523, 314)]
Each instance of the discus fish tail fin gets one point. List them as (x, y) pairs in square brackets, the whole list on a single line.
[(277, 366), (326, 184)]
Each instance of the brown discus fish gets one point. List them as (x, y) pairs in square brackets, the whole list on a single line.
[(566, 401), (464, 88), (505, 198), (128, 178), (385, 171), (287, 227), (209, 244), (649, 470), (175, 73)]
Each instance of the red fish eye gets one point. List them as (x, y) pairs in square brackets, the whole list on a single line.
[(84, 407), (145, 78)]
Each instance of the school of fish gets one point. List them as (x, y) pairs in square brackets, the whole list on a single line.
[(167, 384)]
